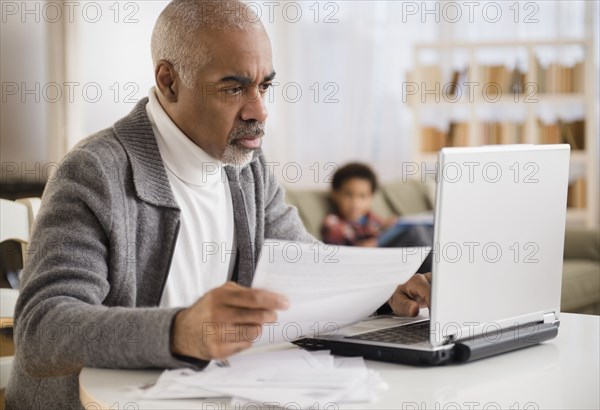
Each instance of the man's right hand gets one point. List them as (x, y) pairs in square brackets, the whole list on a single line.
[(224, 321)]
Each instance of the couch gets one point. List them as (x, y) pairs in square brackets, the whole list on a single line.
[(581, 267)]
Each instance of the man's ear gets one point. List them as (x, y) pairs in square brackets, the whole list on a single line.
[(167, 80)]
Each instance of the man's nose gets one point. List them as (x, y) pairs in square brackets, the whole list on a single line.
[(254, 107)]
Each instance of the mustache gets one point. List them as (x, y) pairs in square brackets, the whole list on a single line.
[(252, 129)]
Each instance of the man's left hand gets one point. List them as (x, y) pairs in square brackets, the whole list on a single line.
[(410, 297)]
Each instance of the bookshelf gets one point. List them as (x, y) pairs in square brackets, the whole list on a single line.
[(478, 93)]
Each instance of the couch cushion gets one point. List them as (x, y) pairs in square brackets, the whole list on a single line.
[(312, 206), (581, 243), (408, 197), (381, 206), (580, 285)]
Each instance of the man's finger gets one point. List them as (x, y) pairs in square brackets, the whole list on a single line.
[(232, 334), (243, 316), (253, 298), (413, 295), (403, 305), (418, 288)]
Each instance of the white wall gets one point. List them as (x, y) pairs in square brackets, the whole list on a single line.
[(23, 115), (109, 59)]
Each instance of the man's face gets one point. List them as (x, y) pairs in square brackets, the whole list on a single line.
[(224, 113)]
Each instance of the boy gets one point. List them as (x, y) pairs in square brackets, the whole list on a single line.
[(353, 223)]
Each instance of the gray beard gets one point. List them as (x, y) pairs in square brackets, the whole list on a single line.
[(237, 156)]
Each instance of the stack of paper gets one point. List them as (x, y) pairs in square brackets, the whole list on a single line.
[(292, 378)]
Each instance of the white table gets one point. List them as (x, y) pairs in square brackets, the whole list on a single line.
[(563, 373)]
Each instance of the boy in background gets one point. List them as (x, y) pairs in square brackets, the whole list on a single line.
[(353, 223)]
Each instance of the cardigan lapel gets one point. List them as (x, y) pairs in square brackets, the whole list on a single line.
[(149, 175), (245, 262)]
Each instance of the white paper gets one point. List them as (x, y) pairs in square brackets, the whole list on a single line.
[(328, 286), (298, 389), (294, 378), (169, 386)]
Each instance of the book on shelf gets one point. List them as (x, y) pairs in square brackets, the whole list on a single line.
[(451, 90), (434, 139), (517, 82), (573, 133), (500, 80), (561, 132), (576, 195), (493, 133), (458, 134), (456, 87), (557, 78), (428, 83), (579, 78), (550, 134)]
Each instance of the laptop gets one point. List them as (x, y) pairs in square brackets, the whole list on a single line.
[(497, 262)]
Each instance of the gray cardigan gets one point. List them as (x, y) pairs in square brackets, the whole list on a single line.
[(99, 258)]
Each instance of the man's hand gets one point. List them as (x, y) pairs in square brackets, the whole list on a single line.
[(224, 321), (412, 296)]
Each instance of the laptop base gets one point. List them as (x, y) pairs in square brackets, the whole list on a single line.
[(505, 341), (493, 343), (379, 353)]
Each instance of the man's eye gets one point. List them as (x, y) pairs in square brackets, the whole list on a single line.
[(234, 90), (264, 87)]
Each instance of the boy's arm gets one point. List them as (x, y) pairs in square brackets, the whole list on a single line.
[(334, 231)]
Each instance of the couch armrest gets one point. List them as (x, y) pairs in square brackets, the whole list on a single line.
[(582, 244)]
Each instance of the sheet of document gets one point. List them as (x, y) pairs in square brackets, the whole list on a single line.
[(328, 286), (291, 378)]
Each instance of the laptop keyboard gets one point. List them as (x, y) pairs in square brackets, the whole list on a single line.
[(405, 334)]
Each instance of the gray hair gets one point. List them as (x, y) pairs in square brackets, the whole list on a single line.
[(175, 34)]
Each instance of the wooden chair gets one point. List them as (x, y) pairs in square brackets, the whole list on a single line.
[(15, 225)]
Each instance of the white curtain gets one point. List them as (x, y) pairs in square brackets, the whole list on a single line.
[(360, 62), (365, 57)]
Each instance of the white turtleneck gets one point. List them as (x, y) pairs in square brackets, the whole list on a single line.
[(205, 251)]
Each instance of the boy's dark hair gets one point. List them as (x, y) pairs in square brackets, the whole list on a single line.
[(354, 170)]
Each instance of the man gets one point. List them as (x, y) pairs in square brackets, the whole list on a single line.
[(117, 275)]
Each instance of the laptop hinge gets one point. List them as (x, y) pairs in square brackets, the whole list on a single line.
[(549, 317)]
